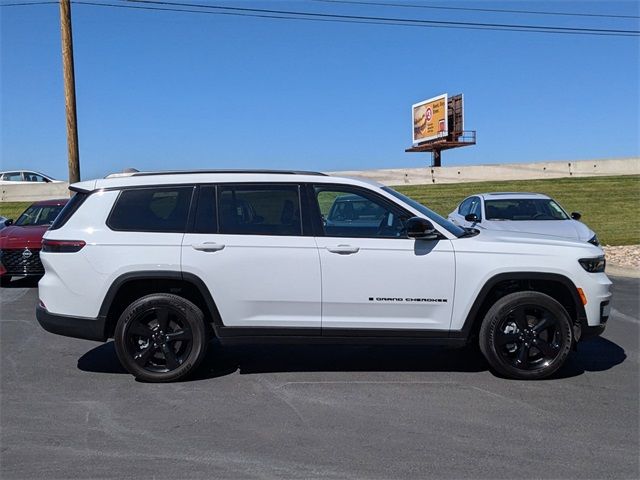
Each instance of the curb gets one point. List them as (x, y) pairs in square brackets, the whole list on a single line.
[(620, 271)]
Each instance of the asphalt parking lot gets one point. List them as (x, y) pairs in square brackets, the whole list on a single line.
[(69, 410)]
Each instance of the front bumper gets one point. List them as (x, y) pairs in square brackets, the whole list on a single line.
[(21, 262), (592, 332), (586, 331), (77, 327), (597, 289)]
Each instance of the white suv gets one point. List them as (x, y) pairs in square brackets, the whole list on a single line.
[(162, 261)]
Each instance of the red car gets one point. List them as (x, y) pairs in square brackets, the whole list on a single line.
[(20, 241)]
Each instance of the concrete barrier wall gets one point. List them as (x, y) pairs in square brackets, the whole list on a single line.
[(405, 176), (31, 192), (512, 171)]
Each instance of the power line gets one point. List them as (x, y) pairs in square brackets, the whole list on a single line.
[(321, 17), (338, 20), (279, 17), (476, 9), (388, 19), (26, 4)]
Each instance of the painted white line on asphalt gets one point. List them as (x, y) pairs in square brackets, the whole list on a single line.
[(366, 382), (10, 295), (623, 316)]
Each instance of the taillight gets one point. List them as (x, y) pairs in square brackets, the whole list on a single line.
[(62, 246)]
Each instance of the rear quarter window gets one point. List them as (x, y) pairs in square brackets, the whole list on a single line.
[(69, 209), (151, 210)]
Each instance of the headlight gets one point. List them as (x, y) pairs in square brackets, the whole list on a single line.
[(594, 241), (593, 265)]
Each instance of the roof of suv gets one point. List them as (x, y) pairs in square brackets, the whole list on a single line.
[(263, 172), (141, 179)]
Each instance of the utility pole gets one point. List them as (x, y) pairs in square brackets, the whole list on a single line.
[(69, 90)]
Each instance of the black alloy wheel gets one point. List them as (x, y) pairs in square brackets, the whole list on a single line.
[(161, 338), (526, 335)]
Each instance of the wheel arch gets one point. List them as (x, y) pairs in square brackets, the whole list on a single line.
[(557, 286), (132, 285)]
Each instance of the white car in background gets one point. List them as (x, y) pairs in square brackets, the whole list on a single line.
[(521, 212), (22, 176)]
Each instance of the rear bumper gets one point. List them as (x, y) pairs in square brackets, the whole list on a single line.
[(76, 327)]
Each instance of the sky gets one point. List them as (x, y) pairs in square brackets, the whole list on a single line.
[(166, 90)]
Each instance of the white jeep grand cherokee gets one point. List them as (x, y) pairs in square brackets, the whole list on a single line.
[(162, 261)]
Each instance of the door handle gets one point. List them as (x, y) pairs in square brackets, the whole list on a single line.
[(208, 246), (343, 249)]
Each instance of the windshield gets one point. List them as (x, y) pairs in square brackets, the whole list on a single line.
[(524, 209), (431, 215), (39, 215)]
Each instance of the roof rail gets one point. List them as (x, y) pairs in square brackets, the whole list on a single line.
[(182, 172), (513, 193), (127, 172)]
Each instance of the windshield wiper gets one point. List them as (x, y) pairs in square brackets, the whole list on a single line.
[(469, 232)]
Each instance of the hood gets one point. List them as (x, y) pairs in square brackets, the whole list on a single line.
[(557, 228), (531, 242), (15, 236)]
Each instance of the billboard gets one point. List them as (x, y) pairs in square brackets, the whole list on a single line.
[(430, 119), (456, 115)]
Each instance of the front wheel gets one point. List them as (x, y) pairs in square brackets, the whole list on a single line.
[(526, 335), (161, 338)]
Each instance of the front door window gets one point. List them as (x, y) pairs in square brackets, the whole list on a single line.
[(346, 213)]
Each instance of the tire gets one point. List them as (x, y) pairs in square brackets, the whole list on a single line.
[(161, 338), (526, 336), (5, 281)]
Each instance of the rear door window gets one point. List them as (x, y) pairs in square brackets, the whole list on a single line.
[(163, 209), (265, 209), (12, 176)]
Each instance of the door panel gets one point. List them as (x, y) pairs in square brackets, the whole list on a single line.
[(247, 245), (257, 280), (387, 283), (373, 276)]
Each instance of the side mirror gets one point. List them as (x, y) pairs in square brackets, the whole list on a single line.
[(421, 229), (8, 222), (471, 217), (576, 215)]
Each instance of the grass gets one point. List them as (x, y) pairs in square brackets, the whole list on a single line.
[(13, 209), (607, 204)]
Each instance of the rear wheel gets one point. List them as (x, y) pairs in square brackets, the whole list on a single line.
[(526, 335), (161, 338)]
